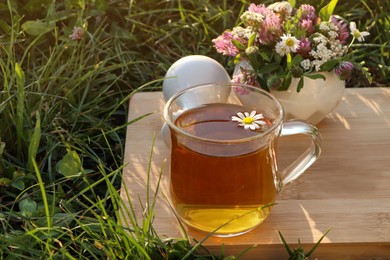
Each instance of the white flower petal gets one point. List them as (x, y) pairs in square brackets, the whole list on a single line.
[(352, 26), (258, 116), (234, 118), (241, 115), (260, 122), (252, 114)]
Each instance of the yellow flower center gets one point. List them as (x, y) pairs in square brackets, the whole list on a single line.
[(290, 42), (356, 34), (248, 120)]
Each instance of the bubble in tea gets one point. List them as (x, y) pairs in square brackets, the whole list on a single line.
[(223, 185)]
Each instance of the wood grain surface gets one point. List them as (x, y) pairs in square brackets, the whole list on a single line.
[(347, 189)]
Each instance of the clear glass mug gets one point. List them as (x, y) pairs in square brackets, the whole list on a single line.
[(224, 175)]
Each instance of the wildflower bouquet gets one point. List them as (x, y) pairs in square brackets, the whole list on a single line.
[(280, 42)]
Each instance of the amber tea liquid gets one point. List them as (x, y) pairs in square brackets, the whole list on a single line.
[(212, 184)]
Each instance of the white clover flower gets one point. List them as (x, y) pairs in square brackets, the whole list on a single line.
[(306, 64), (243, 33), (333, 34), (238, 31), (287, 44), (283, 7), (250, 121), (321, 55), (338, 49), (356, 33), (324, 26), (251, 50), (325, 49), (252, 19), (324, 53), (333, 27), (320, 38), (317, 64)]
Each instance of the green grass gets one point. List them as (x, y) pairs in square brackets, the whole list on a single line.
[(63, 108)]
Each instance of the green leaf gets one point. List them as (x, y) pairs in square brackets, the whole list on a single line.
[(315, 76), (292, 3), (297, 60), (34, 142), (263, 83), (238, 45), (251, 40), (327, 11), (317, 244), (37, 28), (18, 185), (5, 182), (268, 68), (329, 65), (286, 82), (265, 56), (70, 165), (17, 175), (278, 58), (288, 249), (18, 180), (300, 85), (27, 206)]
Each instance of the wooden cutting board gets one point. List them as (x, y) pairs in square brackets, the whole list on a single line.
[(347, 189)]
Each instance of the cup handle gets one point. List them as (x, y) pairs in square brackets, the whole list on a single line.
[(308, 157)]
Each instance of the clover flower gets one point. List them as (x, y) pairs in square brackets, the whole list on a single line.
[(356, 33), (242, 34), (308, 12), (342, 29), (237, 88), (304, 48), (251, 50), (260, 9), (250, 121), (306, 64), (78, 33), (245, 76), (252, 19), (344, 69), (223, 44), (307, 25), (271, 29), (283, 8)]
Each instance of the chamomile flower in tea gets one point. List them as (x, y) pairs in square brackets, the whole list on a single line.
[(250, 120)]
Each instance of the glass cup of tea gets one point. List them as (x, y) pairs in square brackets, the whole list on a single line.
[(224, 175)]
